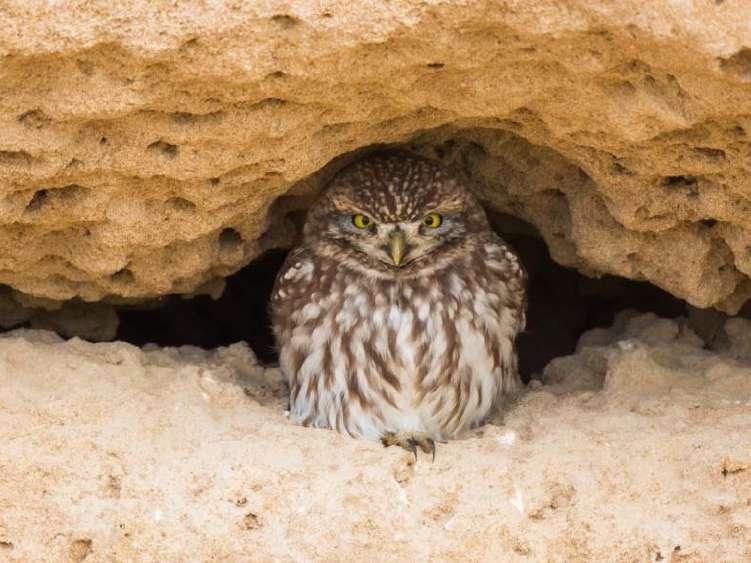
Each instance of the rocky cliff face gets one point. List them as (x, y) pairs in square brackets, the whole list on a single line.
[(150, 150)]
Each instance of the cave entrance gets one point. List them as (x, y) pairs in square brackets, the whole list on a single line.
[(562, 305), (528, 183), (505, 168)]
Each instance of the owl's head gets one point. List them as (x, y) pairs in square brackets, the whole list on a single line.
[(394, 212)]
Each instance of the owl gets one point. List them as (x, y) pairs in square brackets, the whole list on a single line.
[(396, 316)]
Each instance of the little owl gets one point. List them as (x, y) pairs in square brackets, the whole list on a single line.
[(396, 316)]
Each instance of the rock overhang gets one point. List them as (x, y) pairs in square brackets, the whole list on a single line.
[(144, 159)]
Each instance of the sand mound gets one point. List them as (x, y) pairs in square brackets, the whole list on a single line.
[(636, 448)]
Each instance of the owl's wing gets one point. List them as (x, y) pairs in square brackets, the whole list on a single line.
[(520, 285), (294, 281), (503, 260)]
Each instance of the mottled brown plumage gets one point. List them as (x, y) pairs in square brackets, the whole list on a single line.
[(390, 327)]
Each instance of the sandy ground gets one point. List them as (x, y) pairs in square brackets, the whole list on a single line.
[(638, 448)]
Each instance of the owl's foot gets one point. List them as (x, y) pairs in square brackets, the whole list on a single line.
[(410, 441)]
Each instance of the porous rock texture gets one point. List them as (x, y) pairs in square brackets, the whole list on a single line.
[(636, 448), (144, 143)]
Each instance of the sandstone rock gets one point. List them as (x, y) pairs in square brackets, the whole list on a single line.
[(96, 322), (142, 148)]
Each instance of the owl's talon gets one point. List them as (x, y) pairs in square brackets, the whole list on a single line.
[(410, 441), (412, 447), (429, 447)]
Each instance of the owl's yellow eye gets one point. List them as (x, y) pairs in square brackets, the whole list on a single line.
[(432, 220), (361, 221)]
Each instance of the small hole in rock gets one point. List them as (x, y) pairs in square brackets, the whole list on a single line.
[(124, 276), (738, 64), (190, 43), (214, 181), (15, 158), (285, 21), (270, 103), (436, 66), (229, 239), (181, 204), (709, 152), (67, 195), (166, 149), (708, 222), (679, 181), (621, 170), (38, 200), (34, 119)]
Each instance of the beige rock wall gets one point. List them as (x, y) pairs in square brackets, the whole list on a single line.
[(143, 144)]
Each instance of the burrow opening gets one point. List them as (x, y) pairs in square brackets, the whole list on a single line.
[(563, 304)]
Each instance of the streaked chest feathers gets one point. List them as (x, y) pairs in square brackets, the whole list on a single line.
[(369, 357)]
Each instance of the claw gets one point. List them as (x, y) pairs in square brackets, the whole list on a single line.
[(429, 447), (410, 441), (412, 444)]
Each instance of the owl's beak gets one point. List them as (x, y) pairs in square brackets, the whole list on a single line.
[(397, 247)]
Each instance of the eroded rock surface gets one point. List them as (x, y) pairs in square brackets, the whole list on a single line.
[(636, 449), (141, 148)]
